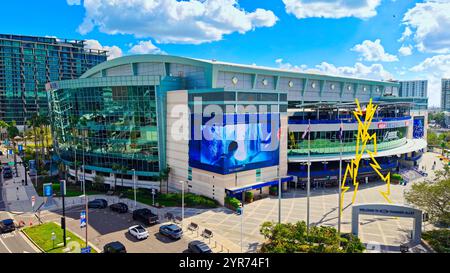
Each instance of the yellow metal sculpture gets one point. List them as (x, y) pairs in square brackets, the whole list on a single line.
[(362, 140)]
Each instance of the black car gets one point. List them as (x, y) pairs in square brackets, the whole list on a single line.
[(7, 172), (98, 204), (114, 247), (119, 207), (145, 216), (199, 247), (7, 225)]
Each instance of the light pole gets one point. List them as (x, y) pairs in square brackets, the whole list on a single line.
[(182, 202), (134, 183), (242, 226), (279, 199)]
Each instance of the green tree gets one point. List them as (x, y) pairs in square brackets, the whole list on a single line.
[(432, 138), (164, 176), (3, 125), (123, 171), (116, 168), (433, 198), (98, 182), (293, 238), (443, 146)]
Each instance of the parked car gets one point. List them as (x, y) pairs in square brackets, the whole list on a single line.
[(98, 204), (173, 231), (114, 247), (138, 232), (198, 247), (145, 216), (7, 225), (119, 207), (7, 172)]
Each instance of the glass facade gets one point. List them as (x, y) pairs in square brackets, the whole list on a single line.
[(329, 143), (114, 125), (28, 63)]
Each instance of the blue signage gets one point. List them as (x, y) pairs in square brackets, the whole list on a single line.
[(234, 142), (48, 190), (20, 148), (82, 219), (86, 249), (418, 129), (10, 152)]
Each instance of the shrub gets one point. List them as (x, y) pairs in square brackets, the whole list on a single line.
[(438, 239), (232, 201), (396, 176), (249, 196), (273, 190)]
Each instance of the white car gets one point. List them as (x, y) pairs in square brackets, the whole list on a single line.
[(139, 232)]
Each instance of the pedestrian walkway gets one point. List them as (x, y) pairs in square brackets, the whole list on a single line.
[(17, 196)]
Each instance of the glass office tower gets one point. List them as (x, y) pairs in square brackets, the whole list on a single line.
[(27, 63)]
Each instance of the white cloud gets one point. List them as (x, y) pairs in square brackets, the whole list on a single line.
[(373, 52), (430, 24), (405, 50), (113, 51), (434, 69), (406, 34), (73, 2), (332, 8), (359, 70), (146, 47), (172, 21)]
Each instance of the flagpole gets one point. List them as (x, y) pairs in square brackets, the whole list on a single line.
[(309, 177), (340, 179)]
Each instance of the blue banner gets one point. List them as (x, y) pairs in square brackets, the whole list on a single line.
[(82, 219), (48, 190)]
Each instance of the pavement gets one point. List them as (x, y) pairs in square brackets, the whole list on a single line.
[(15, 242), (380, 234)]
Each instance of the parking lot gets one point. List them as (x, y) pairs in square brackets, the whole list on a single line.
[(106, 226)]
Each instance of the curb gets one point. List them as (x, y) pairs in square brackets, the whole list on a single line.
[(427, 246), (31, 240), (89, 243)]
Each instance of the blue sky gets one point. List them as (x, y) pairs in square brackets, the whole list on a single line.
[(361, 38)]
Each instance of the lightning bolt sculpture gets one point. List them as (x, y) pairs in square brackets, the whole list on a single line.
[(362, 139)]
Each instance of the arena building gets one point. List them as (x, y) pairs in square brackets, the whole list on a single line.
[(131, 117)]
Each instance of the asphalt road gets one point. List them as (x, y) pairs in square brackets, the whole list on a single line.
[(106, 226), (13, 242)]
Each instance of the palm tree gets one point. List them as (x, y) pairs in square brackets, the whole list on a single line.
[(34, 123), (115, 167), (164, 176), (3, 125), (123, 171)]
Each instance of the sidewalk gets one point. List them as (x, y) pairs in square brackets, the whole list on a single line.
[(18, 196)]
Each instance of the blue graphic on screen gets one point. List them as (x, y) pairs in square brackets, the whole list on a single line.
[(418, 127), (245, 143)]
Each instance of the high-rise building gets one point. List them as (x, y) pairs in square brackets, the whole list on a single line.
[(417, 88), (445, 95), (27, 63)]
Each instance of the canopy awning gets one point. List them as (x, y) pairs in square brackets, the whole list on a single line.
[(236, 190)]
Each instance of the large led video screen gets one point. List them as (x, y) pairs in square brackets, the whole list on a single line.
[(235, 142)]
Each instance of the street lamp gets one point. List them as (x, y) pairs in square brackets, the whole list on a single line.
[(182, 202), (134, 182)]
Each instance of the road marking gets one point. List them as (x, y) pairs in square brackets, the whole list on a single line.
[(8, 235), (3, 243)]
